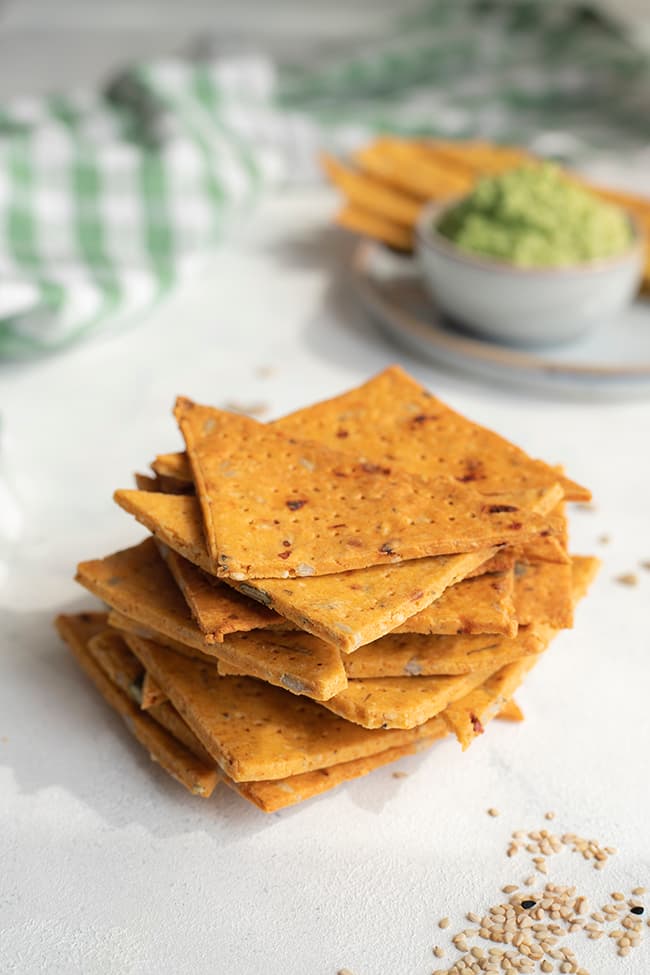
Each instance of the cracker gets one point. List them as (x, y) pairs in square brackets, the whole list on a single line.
[(392, 420), (198, 778), (543, 594), (510, 711), (372, 195), (401, 702), (359, 221), (347, 609), (144, 482), (467, 716), (256, 731), (137, 584), (275, 507), (407, 166), (480, 605), (168, 717), (270, 796), (176, 466), (110, 652), (127, 625), (152, 695), (217, 608)]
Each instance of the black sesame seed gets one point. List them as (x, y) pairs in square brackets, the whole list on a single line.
[(637, 909), (528, 903)]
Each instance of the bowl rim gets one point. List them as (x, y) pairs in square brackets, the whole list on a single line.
[(427, 236)]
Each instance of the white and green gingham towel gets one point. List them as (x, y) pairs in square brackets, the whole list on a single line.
[(107, 199)]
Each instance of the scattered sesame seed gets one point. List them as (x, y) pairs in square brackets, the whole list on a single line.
[(617, 896), (637, 909), (549, 815), (492, 811), (443, 922), (645, 564), (400, 775), (439, 952), (638, 891), (604, 539), (510, 888)]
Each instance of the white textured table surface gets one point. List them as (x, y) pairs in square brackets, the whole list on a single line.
[(108, 866)]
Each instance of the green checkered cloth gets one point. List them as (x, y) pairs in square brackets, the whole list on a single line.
[(108, 199)]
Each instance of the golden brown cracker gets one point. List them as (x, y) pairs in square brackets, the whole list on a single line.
[(198, 778), (408, 167), (467, 717), (359, 221), (272, 795), (543, 594), (393, 420), (137, 584), (166, 715), (510, 711), (256, 731), (346, 609), (217, 608), (152, 695), (480, 605), (144, 482), (400, 702), (110, 652), (277, 507), (371, 194)]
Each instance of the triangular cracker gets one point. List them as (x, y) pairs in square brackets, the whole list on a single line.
[(480, 605), (544, 593), (198, 778), (275, 507), (346, 609), (391, 419), (136, 582), (256, 731)]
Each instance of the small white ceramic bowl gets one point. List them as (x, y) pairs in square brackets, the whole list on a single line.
[(520, 305)]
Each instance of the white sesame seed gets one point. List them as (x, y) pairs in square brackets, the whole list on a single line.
[(492, 811), (439, 952), (443, 922), (638, 891)]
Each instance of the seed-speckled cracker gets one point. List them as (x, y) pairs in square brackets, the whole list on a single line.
[(401, 702), (510, 711), (110, 652), (198, 778), (274, 506), (151, 694), (137, 584), (391, 419), (543, 593), (168, 717), (272, 795), (467, 716), (217, 608), (345, 609), (480, 605), (256, 731)]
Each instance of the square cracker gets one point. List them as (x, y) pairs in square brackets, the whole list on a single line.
[(137, 584), (256, 731), (345, 609), (391, 419), (174, 757), (480, 605), (277, 507)]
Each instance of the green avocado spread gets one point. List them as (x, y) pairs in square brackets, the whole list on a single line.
[(534, 216)]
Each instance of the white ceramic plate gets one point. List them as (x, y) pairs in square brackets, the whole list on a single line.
[(613, 361)]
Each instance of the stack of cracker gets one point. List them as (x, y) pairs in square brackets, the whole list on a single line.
[(324, 594)]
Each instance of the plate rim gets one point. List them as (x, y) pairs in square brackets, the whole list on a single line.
[(475, 349)]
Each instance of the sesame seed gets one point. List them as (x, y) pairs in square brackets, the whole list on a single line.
[(637, 909), (628, 579), (439, 952), (617, 896), (638, 891), (510, 888), (443, 922), (492, 811), (400, 775)]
